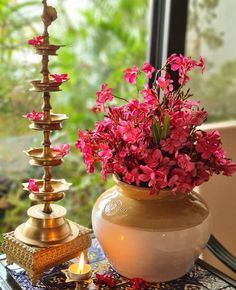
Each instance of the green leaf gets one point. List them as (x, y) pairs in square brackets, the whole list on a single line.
[(156, 131), (165, 127)]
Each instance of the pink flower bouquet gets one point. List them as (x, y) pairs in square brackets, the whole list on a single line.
[(154, 140)]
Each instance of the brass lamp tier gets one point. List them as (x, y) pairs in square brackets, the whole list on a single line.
[(37, 157), (39, 86), (53, 124), (54, 192), (49, 49), (43, 230)]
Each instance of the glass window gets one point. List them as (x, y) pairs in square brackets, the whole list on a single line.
[(211, 33)]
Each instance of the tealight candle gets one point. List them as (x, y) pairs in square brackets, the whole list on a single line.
[(80, 271)]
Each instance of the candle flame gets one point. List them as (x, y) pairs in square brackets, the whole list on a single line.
[(81, 263)]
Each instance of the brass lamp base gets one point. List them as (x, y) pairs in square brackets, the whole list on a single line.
[(46, 230), (38, 260)]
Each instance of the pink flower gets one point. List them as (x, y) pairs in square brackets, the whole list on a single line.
[(130, 75), (200, 174), (165, 83), (178, 137), (184, 162), (104, 95), (89, 161), (32, 186), (208, 144), (202, 64), (191, 103), (198, 117), (61, 150), (96, 109), (153, 158), (38, 40), (132, 176), (148, 69), (128, 132), (155, 179), (120, 169), (34, 116), (182, 156), (59, 78), (148, 175), (184, 64), (106, 153), (104, 280), (177, 62), (180, 181), (149, 95), (138, 284), (87, 147), (228, 167)]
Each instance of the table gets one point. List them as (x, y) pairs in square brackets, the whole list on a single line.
[(201, 277)]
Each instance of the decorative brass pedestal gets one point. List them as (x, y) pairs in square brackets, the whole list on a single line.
[(44, 230), (38, 260)]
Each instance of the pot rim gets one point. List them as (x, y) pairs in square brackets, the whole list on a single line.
[(143, 193)]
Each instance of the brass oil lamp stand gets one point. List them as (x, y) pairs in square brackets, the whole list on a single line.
[(47, 238)]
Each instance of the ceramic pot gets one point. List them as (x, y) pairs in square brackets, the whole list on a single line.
[(154, 237)]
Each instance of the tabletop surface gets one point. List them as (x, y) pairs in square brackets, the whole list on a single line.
[(200, 277)]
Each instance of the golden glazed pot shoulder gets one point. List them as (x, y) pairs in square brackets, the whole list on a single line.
[(154, 237)]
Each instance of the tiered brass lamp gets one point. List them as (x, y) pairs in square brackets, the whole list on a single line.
[(47, 233)]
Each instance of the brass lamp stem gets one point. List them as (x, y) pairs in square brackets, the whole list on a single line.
[(47, 208), (47, 187), (46, 106), (46, 144), (45, 70), (46, 179)]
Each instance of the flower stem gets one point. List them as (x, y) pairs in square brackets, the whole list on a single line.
[(120, 98)]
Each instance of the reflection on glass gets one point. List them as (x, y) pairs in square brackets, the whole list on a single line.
[(211, 33)]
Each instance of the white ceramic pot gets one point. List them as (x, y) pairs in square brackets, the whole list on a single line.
[(154, 237)]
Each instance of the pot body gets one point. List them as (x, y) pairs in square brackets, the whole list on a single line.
[(154, 237)]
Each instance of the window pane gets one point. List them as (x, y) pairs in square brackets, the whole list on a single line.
[(211, 33)]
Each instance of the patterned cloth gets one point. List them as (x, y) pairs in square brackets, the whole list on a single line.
[(198, 278)]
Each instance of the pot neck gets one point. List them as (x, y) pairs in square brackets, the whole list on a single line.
[(143, 193)]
